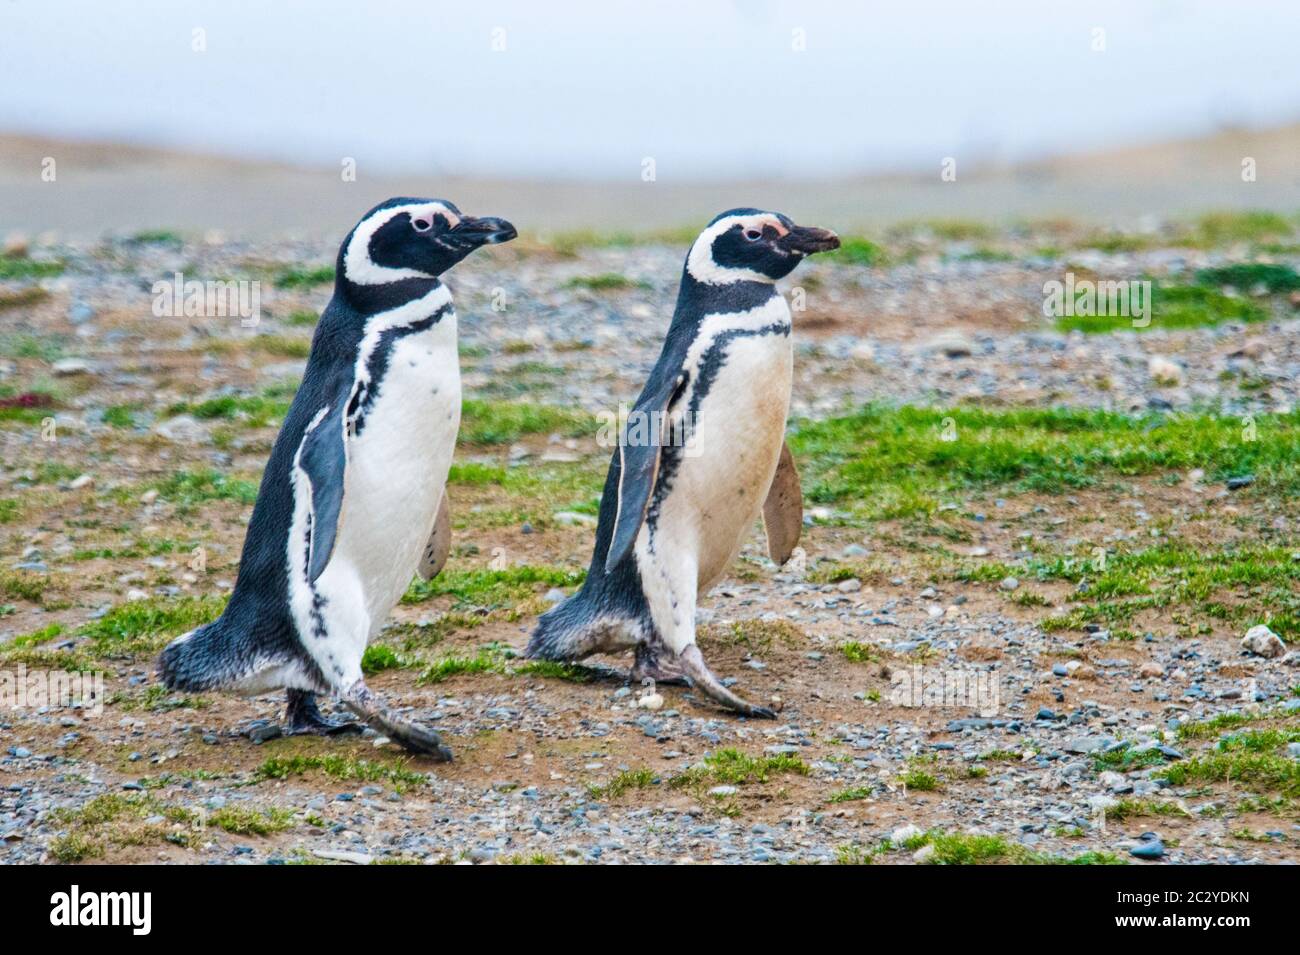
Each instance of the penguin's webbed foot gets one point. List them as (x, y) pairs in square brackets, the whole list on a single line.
[(702, 678), (411, 735), (302, 716)]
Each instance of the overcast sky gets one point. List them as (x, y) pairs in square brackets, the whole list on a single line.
[(707, 89)]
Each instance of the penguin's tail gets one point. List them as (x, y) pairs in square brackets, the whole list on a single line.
[(199, 660), (574, 629)]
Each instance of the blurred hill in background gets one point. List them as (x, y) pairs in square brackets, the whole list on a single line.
[(103, 187)]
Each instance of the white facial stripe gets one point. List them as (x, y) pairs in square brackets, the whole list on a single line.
[(700, 263), (357, 264)]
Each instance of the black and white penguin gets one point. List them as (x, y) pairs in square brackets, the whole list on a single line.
[(351, 503), (702, 453)]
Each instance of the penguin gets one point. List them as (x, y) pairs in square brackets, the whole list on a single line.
[(701, 454), (351, 504)]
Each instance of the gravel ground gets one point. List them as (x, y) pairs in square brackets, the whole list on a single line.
[(536, 756)]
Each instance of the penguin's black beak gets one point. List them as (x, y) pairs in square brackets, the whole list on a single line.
[(487, 230), (807, 240)]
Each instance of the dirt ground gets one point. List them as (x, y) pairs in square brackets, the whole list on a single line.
[(137, 500)]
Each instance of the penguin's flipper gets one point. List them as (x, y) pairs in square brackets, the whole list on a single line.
[(639, 465), (783, 509), (439, 546), (323, 457)]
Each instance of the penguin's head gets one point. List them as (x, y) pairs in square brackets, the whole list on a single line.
[(750, 245), (414, 239)]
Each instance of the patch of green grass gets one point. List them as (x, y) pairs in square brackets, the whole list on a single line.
[(483, 662), (1128, 758), (1246, 276), (342, 767), (241, 821), (158, 699), (304, 277), (533, 858), (257, 411), (1173, 573), (157, 237), (37, 637), (23, 585), (1256, 225), (554, 670), (301, 318), (604, 282), (10, 508), (856, 250), (188, 489), (884, 462), (144, 626), (503, 422), (625, 781), (731, 767), (856, 652), (1259, 741), (15, 267), (281, 346), (482, 587), (1240, 768), (851, 794), (1172, 307), (378, 658), (121, 416), (1141, 808), (569, 244), (955, 848), (854, 854), (918, 779), (74, 847)]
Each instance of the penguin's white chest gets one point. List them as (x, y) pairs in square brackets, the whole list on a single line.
[(739, 426), (397, 466)]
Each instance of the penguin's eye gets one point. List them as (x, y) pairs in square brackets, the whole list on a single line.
[(421, 225), (753, 235)]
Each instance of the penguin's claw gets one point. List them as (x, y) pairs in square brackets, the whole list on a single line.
[(302, 716), (409, 734), (702, 678), (419, 739)]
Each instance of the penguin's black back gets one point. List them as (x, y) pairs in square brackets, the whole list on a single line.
[(618, 592), (257, 626)]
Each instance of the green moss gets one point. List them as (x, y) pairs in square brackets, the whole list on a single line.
[(554, 670), (1256, 225), (144, 626), (378, 658), (502, 422), (242, 821), (856, 250), (448, 667), (1246, 276), (884, 462), (1173, 307), (187, 489), (15, 267), (856, 652), (340, 766), (605, 282), (480, 587), (731, 767), (309, 277), (625, 781), (1240, 768)]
